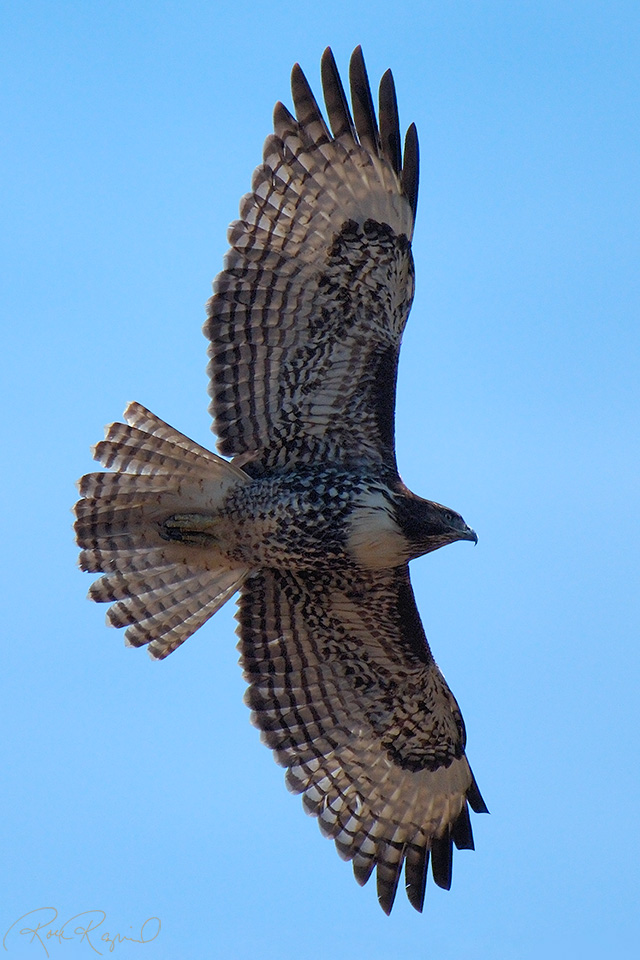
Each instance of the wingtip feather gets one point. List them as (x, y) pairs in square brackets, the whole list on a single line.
[(411, 168), (442, 861), (475, 798), (335, 99), (389, 122), (364, 114)]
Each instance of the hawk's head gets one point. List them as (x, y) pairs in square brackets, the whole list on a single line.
[(428, 525), (388, 530)]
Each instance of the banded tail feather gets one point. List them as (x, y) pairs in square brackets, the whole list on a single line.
[(163, 578)]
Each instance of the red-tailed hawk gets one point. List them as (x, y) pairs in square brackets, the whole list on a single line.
[(310, 520)]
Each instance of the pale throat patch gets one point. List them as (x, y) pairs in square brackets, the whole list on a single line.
[(374, 540)]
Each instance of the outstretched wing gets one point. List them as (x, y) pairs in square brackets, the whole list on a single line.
[(307, 316), (348, 696)]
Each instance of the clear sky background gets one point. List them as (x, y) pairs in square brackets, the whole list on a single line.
[(130, 131)]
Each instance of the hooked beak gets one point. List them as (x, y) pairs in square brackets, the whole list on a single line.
[(470, 534)]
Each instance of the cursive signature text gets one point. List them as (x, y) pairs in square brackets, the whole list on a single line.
[(42, 927)]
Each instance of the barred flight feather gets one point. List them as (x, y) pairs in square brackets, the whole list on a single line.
[(311, 726), (283, 286)]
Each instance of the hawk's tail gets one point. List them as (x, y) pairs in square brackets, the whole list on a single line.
[(131, 527)]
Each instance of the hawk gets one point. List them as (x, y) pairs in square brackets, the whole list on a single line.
[(308, 519)]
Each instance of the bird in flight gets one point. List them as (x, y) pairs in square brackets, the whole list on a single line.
[(308, 520)]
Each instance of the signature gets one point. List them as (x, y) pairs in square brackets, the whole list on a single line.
[(42, 928)]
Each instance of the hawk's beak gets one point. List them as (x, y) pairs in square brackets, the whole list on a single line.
[(470, 534)]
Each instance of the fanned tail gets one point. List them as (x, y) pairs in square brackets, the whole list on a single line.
[(165, 582)]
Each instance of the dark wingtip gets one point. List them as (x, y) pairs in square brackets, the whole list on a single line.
[(442, 861), (364, 113), (363, 870), (415, 874), (387, 891), (296, 73), (307, 111), (411, 168), (384, 903), (389, 122), (475, 798), (461, 832), (340, 119), (282, 117), (363, 126)]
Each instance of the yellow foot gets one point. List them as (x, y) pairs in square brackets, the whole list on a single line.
[(190, 528)]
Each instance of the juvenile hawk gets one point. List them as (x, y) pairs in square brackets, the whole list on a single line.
[(310, 520)]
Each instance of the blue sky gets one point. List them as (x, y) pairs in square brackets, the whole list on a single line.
[(130, 132)]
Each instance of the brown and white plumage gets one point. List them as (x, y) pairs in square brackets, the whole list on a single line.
[(310, 520), (350, 700), (307, 316)]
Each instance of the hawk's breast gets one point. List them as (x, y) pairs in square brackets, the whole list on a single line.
[(375, 541), (305, 519)]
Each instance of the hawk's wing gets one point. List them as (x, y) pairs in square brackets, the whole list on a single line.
[(307, 316), (347, 694)]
